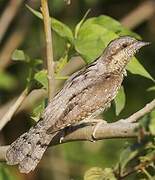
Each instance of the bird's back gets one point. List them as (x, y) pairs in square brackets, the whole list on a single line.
[(83, 94)]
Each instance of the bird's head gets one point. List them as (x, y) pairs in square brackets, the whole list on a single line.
[(119, 52)]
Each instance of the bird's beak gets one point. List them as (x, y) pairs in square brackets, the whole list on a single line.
[(140, 44)]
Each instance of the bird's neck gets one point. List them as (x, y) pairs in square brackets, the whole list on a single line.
[(113, 64)]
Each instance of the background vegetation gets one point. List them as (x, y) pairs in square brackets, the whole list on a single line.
[(22, 65)]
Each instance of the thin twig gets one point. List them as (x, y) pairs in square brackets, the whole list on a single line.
[(29, 103), (11, 44), (139, 167), (142, 13), (8, 115), (16, 37), (49, 48), (8, 15), (148, 108)]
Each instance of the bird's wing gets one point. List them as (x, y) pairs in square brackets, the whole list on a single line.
[(96, 95)]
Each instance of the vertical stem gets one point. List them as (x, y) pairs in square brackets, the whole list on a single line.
[(49, 48)]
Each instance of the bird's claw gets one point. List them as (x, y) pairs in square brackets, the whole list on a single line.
[(97, 125), (61, 139)]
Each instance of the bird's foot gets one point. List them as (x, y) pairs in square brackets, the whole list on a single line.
[(93, 122), (61, 139), (98, 123), (63, 133)]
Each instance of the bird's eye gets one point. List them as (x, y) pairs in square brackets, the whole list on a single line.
[(124, 45)]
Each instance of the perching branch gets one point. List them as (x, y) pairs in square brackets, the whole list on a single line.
[(49, 48), (148, 108), (120, 129)]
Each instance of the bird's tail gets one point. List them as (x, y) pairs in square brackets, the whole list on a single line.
[(28, 149)]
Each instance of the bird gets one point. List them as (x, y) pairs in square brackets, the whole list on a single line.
[(85, 94)]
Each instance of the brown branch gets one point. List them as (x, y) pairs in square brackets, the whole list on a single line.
[(142, 13), (8, 15), (105, 131), (78, 133), (16, 37), (140, 167), (8, 115), (49, 48), (120, 129), (30, 102), (148, 108)]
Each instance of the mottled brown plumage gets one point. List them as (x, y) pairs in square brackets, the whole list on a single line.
[(86, 93)]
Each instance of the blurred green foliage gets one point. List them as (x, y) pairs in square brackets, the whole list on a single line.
[(7, 81), (6, 174)]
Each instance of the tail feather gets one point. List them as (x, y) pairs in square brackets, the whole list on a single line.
[(28, 150), (31, 160), (18, 150)]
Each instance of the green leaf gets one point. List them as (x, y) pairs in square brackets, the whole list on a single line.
[(41, 77), (7, 81), (151, 88), (5, 174), (18, 55), (36, 62), (93, 173), (35, 12), (95, 34), (135, 67), (61, 63), (97, 173), (112, 25), (60, 28), (120, 101), (38, 110), (80, 23), (91, 41)]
